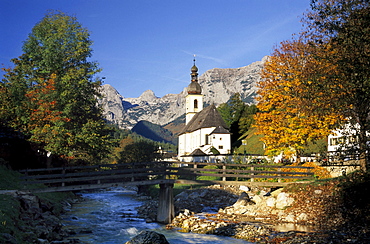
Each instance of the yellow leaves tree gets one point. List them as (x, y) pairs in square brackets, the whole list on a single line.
[(345, 26), (291, 112)]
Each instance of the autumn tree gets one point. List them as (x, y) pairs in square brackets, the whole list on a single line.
[(344, 26), (52, 83), (44, 118), (290, 114)]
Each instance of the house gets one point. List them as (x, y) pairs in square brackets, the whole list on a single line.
[(205, 133), (343, 142)]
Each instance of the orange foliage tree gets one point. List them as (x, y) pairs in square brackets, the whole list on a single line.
[(291, 112), (45, 121)]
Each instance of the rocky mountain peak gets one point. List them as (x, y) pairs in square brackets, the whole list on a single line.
[(148, 96), (218, 85)]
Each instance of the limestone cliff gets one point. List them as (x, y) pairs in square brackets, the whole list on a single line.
[(217, 85)]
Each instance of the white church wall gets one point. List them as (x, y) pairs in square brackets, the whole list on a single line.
[(182, 144), (206, 159), (221, 142)]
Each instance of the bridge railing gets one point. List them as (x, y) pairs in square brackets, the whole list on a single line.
[(93, 176), (243, 172)]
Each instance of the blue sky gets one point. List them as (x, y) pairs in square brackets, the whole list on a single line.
[(149, 44)]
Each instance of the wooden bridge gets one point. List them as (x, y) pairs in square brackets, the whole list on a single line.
[(166, 174)]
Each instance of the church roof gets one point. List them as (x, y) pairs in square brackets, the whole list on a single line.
[(197, 152), (220, 130), (194, 88), (208, 117)]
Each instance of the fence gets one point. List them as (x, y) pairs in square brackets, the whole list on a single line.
[(101, 176)]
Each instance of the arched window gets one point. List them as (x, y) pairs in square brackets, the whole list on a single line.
[(195, 103)]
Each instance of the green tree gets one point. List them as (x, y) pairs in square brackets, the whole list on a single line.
[(140, 152), (247, 118), (59, 48), (231, 112)]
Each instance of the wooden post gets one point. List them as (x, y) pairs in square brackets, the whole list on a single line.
[(164, 167), (63, 173), (252, 169), (132, 174), (195, 172), (224, 172), (279, 179), (166, 209)]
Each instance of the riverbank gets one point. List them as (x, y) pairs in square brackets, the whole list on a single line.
[(332, 211), (30, 218)]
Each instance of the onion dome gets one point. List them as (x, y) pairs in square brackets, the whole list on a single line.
[(194, 87), (194, 69)]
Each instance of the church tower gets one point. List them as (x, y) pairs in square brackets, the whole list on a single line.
[(194, 98)]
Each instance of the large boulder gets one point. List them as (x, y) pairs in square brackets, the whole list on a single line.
[(283, 200), (148, 237)]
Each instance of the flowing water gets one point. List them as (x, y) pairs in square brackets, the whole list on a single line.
[(110, 217)]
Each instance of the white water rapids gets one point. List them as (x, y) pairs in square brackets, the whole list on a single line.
[(109, 217)]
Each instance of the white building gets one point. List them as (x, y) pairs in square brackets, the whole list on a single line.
[(205, 133), (343, 138)]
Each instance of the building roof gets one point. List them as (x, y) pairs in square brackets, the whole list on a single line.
[(208, 117), (220, 130), (194, 88), (197, 152)]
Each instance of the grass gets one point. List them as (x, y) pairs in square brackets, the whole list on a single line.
[(10, 207), (9, 179), (9, 216), (153, 190), (254, 144)]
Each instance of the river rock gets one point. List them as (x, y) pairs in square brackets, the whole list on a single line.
[(8, 238), (257, 199), (270, 202), (243, 200), (283, 200), (244, 188), (276, 192), (148, 237)]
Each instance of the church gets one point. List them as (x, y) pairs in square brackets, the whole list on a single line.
[(205, 134)]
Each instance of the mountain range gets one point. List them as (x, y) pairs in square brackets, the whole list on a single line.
[(218, 85)]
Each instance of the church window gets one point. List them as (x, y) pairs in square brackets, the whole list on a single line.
[(207, 139), (220, 147), (195, 103)]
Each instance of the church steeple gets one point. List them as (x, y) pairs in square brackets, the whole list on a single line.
[(194, 98), (194, 87), (194, 72)]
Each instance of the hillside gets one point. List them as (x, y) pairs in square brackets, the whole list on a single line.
[(154, 132)]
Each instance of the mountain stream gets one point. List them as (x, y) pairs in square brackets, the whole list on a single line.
[(109, 217)]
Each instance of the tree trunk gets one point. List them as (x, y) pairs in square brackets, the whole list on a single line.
[(299, 155), (363, 144)]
